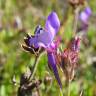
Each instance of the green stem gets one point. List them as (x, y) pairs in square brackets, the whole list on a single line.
[(34, 67), (61, 93), (69, 88)]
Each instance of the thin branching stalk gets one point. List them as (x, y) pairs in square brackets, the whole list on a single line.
[(76, 16)]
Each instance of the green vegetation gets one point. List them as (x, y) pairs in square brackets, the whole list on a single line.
[(14, 60)]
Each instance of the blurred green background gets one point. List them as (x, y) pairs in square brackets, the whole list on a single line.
[(18, 17)]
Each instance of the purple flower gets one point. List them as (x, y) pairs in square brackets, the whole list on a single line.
[(84, 16), (44, 38)]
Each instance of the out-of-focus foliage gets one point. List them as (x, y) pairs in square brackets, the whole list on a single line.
[(18, 17)]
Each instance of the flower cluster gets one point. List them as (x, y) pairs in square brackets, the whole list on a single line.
[(69, 58), (44, 39)]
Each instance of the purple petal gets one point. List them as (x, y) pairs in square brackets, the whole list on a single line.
[(33, 41), (45, 38), (52, 64), (52, 23), (84, 16), (88, 11)]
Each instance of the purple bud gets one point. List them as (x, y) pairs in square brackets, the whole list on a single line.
[(75, 44), (84, 16)]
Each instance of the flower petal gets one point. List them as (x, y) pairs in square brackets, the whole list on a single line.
[(88, 11), (52, 23), (45, 37), (52, 64), (84, 16), (33, 42)]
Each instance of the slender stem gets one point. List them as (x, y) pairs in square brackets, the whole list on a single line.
[(69, 87), (61, 92), (34, 67), (76, 15)]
